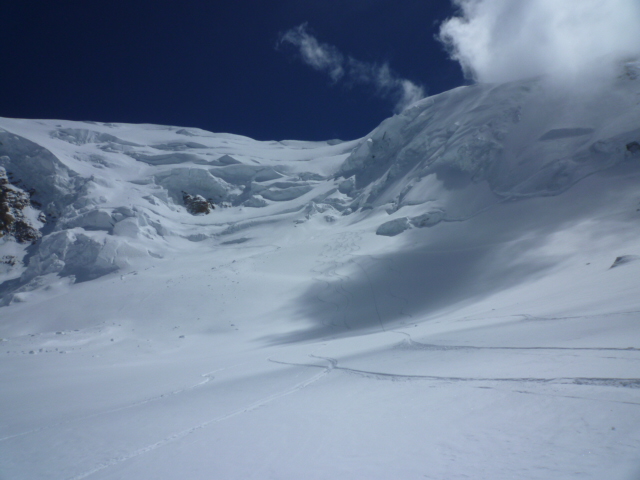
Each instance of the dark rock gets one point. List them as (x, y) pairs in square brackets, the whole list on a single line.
[(624, 259), (197, 204), (13, 202), (10, 260), (633, 147)]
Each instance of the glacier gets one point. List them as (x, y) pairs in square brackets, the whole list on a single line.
[(455, 295)]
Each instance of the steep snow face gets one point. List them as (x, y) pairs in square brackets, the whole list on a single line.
[(462, 151)]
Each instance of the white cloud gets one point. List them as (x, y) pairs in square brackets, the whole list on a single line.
[(320, 56), (503, 40), (328, 59)]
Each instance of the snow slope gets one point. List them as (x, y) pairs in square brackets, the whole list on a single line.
[(454, 296)]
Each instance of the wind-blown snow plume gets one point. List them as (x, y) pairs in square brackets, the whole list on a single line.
[(328, 59), (503, 40)]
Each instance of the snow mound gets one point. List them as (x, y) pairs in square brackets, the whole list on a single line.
[(71, 252), (195, 181), (399, 225), (393, 227)]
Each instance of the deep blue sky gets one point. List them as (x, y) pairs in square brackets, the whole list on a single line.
[(213, 64)]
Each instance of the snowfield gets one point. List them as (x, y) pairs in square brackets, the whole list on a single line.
[(454, 296)]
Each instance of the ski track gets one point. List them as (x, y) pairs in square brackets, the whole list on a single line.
[(180, 435), (208, 377), (591, 381), (528, 317), (345, 245), (608, 382), (330, 266), (412, 344), (574, 397)]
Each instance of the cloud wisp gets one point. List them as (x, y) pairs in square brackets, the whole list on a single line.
[(503, 40), (350, 71)]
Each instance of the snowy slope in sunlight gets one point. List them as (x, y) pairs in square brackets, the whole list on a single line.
[(454, 296), (114, 193)]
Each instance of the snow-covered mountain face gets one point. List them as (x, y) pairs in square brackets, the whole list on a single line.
[(116, 192), (482, 247)]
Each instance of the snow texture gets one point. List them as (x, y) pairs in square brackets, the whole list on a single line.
[(435, 300)]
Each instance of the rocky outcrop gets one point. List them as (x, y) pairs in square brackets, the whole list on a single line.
[(15, 204), (624, 259), (197, 204)]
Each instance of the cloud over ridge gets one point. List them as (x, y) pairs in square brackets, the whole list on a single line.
[(328, 59), (504, 40)]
